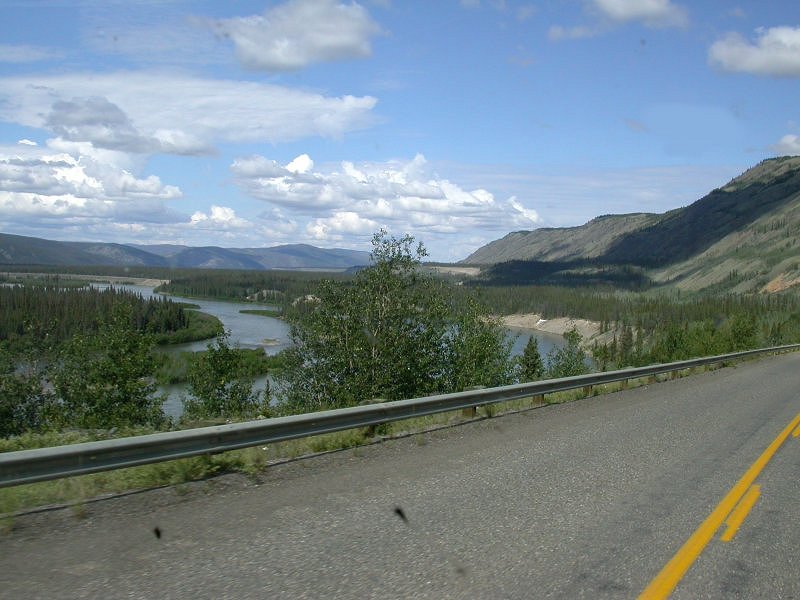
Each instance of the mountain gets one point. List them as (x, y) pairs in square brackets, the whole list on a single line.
[(296, 256), (741, 237), (552, 244), (21, 250)]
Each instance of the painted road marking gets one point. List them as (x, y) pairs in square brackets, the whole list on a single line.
[(675, 569), (796, 432), (739, 514)]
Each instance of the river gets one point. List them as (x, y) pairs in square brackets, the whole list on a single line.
[(272, 335)]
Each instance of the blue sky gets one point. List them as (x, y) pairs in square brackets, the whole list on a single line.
[(247, 124)]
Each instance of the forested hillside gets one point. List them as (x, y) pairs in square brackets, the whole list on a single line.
[(740, 237), (560, 244)]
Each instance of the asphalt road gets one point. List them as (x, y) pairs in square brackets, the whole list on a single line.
[(589, 499)]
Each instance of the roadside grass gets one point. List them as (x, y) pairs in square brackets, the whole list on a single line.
[(75, 492)]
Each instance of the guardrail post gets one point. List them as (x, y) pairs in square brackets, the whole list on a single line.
[(587, 390), (372, 430), (652, 379), (623, 384), (539, 398), (470, 412)]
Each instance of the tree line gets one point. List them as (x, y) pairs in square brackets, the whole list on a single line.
[(54, 314), (389, 331), (277, 288)]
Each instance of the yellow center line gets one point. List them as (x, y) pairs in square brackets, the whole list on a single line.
[(739, 514), (676, 568), (796, 432)]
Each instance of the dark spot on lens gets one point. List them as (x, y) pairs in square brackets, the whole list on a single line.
[(400, 513)]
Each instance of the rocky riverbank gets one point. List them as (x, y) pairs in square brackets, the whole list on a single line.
[(559, 326)]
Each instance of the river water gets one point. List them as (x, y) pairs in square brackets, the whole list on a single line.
[(272, 335)]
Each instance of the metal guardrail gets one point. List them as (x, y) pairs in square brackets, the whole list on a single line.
[(28, 466)]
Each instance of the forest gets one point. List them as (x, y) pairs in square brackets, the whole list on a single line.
[(46, 312), (50, 332), (81, 357)]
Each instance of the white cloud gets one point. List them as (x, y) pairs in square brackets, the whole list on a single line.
[(11, 53), (607, 13), (557, 32), (71, 190), (220, 216), (350, 199), (300, 165), (653, 13), (105, 125), (27, 142), (299, 33), (340, 224), (158, 112), (775, 52), (788, 145), (44, 183)]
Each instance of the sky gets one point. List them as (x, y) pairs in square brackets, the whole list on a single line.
[(256, 124)]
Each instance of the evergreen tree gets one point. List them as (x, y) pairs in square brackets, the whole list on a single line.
[(625, 347), (531, 366)]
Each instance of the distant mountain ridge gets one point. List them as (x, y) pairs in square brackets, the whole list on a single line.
[(23, 250), (743, 237)]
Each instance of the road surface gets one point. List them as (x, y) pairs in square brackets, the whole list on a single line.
[(590, 499)]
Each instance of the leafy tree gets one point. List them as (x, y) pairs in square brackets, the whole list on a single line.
[(221, 384), (531, 366), (569, 360), (478, 350), (24, 403), (391, 333), (106, 379), (740, 333)]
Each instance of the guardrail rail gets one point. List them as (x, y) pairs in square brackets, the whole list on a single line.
[(28, 466)]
